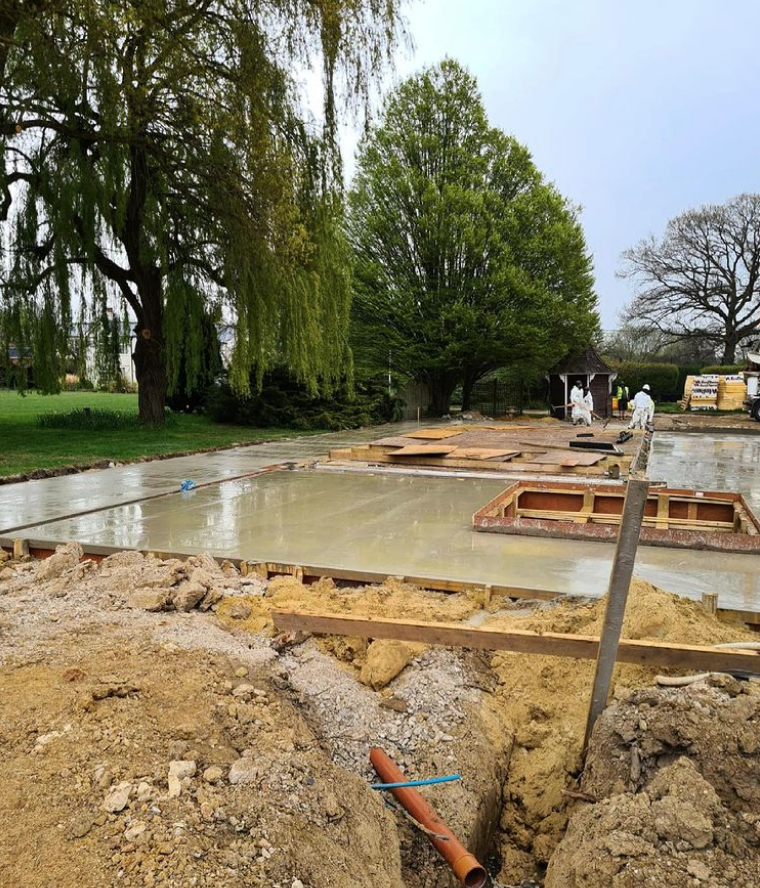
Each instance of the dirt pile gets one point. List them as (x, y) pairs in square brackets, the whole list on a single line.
[(393, 597), (677, 775), (158, 748), (152, 766), (544, 701)]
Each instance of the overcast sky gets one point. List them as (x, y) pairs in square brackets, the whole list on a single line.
[(635, 109)]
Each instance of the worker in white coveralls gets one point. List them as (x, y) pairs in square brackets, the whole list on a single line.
[(581, 412), (588, 402), (643, 409)]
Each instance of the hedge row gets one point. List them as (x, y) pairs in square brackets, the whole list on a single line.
[(661, 378), (725, 369)]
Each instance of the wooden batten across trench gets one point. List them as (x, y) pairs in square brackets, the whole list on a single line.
[(642, 653)]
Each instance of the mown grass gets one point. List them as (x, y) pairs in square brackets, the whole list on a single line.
[(24, 446)]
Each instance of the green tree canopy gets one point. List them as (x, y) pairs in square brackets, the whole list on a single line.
[(156, 150), (465, 258)]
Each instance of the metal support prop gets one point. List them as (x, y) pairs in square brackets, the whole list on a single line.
[(617, 598)]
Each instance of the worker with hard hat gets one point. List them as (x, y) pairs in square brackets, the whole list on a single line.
[(643, 409)]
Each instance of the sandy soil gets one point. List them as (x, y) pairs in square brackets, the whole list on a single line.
[(157, 733), (705, 421)]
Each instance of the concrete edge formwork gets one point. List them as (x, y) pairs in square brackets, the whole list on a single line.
[(41, 548)]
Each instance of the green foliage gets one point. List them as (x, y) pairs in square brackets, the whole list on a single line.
[(286, 403), (92, 419), (724, 369), (194, 359), (162, 157), (465, 258), (107, 347), (661, 378)]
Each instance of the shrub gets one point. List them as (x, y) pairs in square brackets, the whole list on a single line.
[(661, 378), (284, 403), (94, 420), (723, 369)]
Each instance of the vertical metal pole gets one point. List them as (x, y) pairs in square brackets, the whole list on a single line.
[(617, 597)]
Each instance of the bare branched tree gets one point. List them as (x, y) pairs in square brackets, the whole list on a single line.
[(702, 279)]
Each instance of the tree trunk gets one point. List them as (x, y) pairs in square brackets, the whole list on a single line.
[(440, 388), (729, 349), (150, 366), (467, 386)]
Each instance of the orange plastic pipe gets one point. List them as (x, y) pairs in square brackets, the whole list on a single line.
[(466, 868)]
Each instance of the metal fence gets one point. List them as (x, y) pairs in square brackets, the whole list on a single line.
[(494, 398)]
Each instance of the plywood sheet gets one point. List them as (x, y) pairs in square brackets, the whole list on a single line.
[(567, 458), (424, 450), (483, 453), (433, 434)]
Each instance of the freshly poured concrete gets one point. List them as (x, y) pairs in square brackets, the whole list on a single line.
[(391, 524), (708, 462), (385, 523), (37, 502)]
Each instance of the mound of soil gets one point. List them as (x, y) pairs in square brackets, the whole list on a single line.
[(677, 775), (544, 701), (148, 741)]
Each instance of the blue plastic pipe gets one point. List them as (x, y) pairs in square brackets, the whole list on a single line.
[(431, 780)]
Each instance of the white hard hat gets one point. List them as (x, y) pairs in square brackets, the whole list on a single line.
[(645, 387)]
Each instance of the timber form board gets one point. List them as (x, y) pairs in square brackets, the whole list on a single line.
[(675, 518), (343, 576), (532, 449), (639, 652)]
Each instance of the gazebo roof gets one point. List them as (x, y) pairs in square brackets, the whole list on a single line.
[(583, 363)]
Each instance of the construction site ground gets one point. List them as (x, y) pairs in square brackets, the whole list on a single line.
[(409, 523), (156, 731)]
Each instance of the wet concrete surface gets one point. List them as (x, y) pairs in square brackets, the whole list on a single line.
[(379, 522), (708, 462), (35, 502), (391, 524)]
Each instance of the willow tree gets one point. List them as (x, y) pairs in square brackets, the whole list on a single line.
[(466, 259), (155, 151)]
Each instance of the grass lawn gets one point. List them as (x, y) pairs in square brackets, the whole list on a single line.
[(24, 447)]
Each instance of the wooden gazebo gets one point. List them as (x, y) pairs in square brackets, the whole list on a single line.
[(588, 368)]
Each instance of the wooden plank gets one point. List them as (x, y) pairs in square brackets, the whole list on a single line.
[(617, 598), (553, 644), (434, 434), (483, 453), (424, 450)]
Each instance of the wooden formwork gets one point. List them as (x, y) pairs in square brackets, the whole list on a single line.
[(555, 448), (349, 577), (677, 518)]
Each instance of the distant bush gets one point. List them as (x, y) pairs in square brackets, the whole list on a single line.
[(723, 369), (661, 378), (77, 384), (120, 386), (284, 403), (94, 420)]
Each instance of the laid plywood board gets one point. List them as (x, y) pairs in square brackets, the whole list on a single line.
[(483, 453), (567, 458), (424, 450), (433, 434)]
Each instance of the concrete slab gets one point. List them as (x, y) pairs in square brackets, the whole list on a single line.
[(709, 462), (35, 502), (392, 524)]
